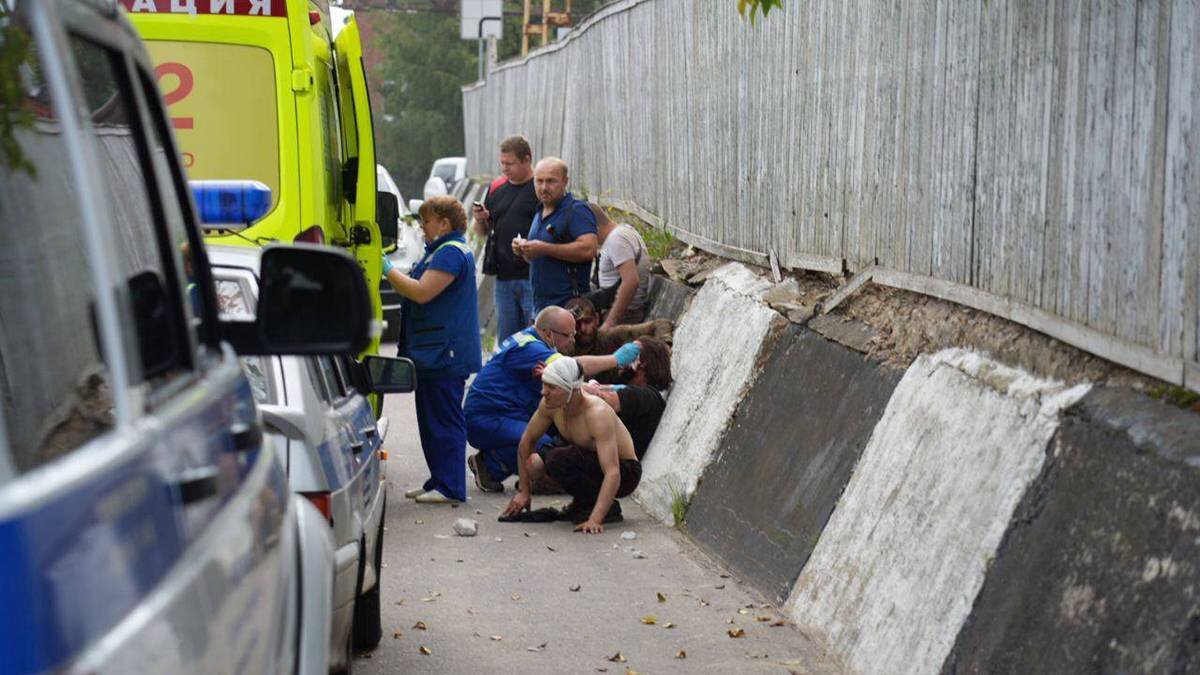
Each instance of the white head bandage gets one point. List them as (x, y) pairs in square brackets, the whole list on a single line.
[(563, 372)]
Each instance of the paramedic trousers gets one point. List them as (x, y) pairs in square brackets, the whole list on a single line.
[(496, 438), (443, 430)]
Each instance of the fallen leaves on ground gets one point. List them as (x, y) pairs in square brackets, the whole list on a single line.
[(420, 625), (681, 654), (631, 671), (398, 634), (764, 619), (649, 619), (617, 658), (497, 638), (668, 625), (516, 597), (777, 623), (551, 548), (719, 587), (575, 588), (661, 597), (736, 633), (704, 603), (539, 648), (425, 650), (743, 611)]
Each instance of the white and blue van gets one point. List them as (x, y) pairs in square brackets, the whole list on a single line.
[(145, 525)]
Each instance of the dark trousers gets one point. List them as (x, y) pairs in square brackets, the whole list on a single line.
[(443, 430), (578, 471)]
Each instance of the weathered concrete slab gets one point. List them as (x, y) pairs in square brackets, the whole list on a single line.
[(854, 334), (783, 464), (897, 568), (1100, 571), (718, 346), (668, 299)]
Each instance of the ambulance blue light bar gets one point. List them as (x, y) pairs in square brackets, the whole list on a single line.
[(231, 203)]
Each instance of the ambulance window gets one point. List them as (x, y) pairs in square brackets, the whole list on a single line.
[(54, 386), (331, 124), (154, 290), (221, 101)]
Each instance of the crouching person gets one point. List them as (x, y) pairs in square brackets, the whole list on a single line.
[(598, 467)]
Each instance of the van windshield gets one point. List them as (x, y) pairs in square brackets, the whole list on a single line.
[(221, 99)]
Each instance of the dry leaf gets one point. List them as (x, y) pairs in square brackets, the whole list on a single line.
[(704, 603), (397, 635), (617, 658), (649, 619), (681, 654), (668, 625), (575, 588), (743, 611), (496, 638), (419, 522), (420, 625), (551, 548), (425, 650), (736, 632), (661, 597), (720, 587), (777, 623), (602, 670), (515, 597), (539, 648), (764, 618), (631, 671), (400, 603)]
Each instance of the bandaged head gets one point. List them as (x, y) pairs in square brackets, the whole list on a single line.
[(563, 372)]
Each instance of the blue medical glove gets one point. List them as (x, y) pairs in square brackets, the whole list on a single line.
[(627, 354), (387, 265), (617, 387)]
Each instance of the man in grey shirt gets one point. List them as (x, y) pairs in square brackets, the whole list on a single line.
[(624, 260)]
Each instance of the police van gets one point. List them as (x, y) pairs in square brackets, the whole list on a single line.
[(262, 90), (145, 523)]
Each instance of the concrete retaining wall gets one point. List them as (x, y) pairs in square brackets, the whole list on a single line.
[(1101, 568), (783, 464), (962, 517), (895, 573), (717, 349)]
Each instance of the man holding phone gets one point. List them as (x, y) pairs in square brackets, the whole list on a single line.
[(562, 239), (505, 214)]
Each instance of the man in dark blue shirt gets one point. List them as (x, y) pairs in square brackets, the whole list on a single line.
[(562, 239)]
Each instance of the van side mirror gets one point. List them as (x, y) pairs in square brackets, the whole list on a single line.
[(391, 375), (387, 214), (312, 300)]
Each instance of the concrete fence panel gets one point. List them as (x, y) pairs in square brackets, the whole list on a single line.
[(717, 347), (896, 571)]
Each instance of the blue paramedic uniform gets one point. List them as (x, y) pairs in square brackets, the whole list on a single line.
[(442, 339), (556, 281), (503, 397)]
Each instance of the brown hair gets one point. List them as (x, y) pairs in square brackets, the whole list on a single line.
[(445, 206), (581, 307), (655, 358), (518, 146)]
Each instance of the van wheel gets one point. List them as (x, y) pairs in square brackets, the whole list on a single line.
[(368, 624)]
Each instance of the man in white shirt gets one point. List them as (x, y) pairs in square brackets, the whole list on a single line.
[(624, 263)]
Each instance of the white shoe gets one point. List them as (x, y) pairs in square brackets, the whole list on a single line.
[(414, 493), (435, 497)]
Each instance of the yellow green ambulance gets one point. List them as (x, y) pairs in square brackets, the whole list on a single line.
[(261, 90)]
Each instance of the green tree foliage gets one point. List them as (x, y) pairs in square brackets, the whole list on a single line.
[(424, 67), (751, 8)]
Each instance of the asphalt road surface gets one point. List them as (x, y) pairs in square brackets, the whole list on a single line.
[(539, 598)]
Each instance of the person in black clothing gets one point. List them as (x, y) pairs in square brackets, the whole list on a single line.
[(507, 212), (639, 403)]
